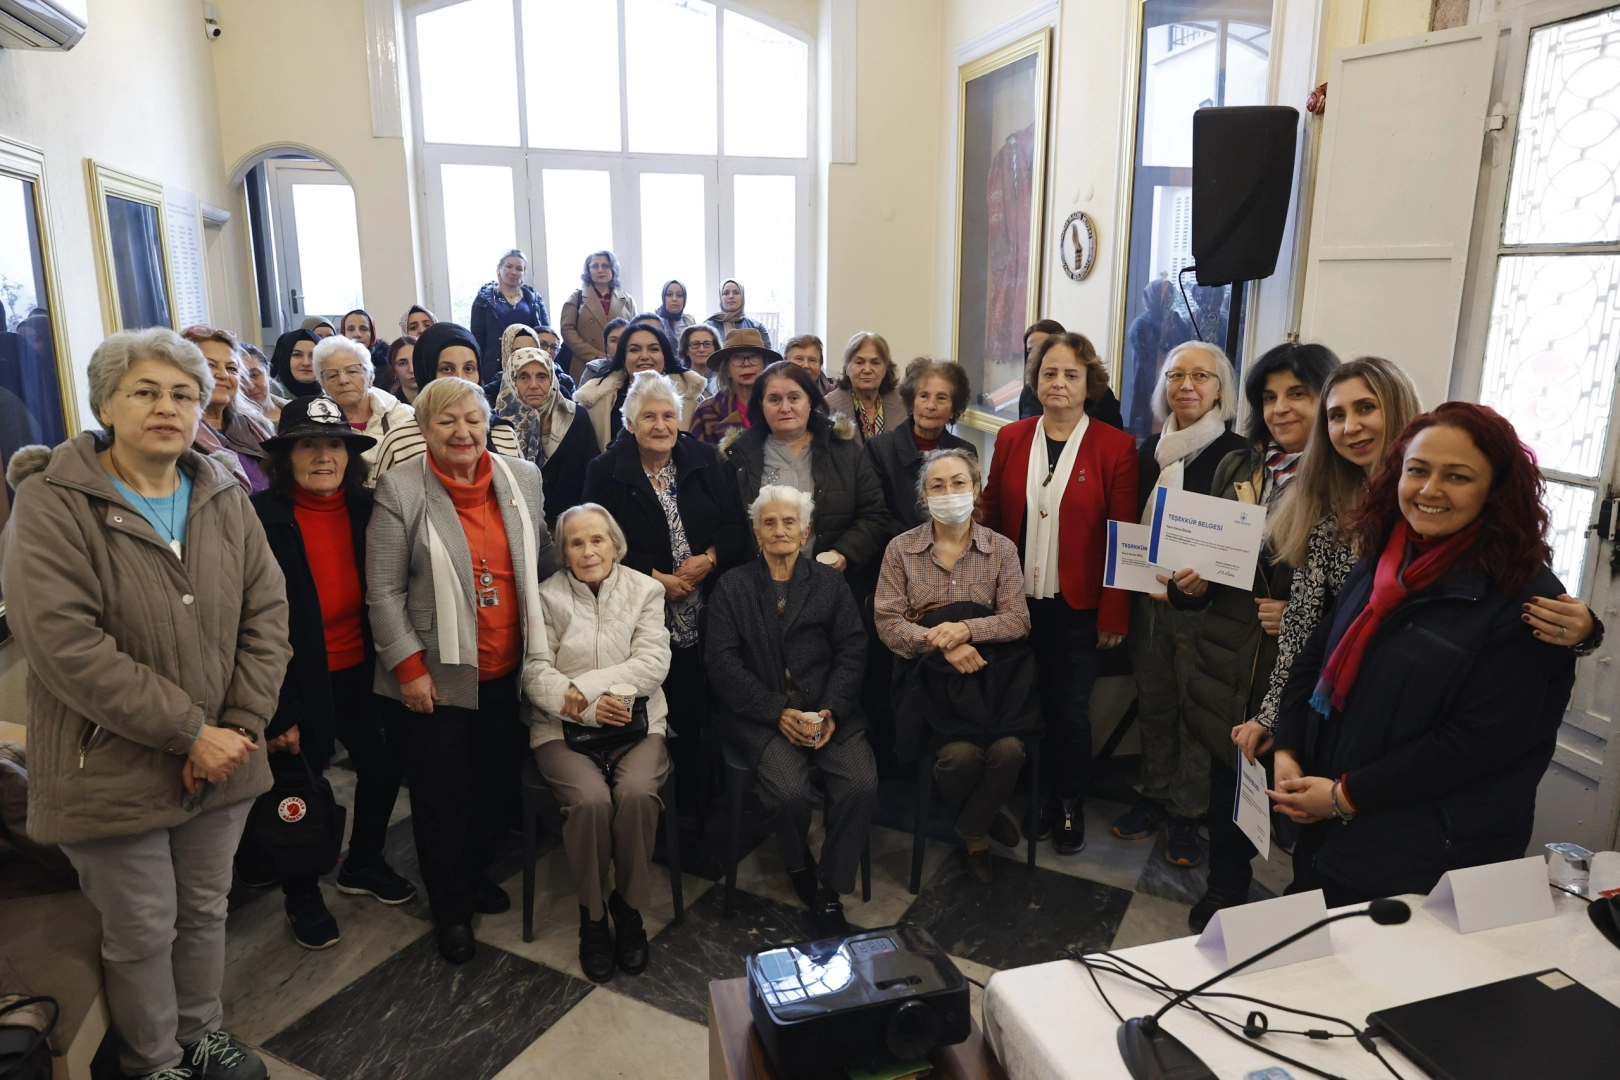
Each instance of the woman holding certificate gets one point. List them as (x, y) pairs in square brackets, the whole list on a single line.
[(1055, 481)]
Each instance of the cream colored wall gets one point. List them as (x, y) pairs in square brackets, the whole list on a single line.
[(1361, 22)]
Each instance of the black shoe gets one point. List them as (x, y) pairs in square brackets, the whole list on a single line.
[(1214, 900), (804, 881), (629, 936), (217, 1055), (379, 881), (595, 946), (1069, 827), (456, 942), (312, 925), (489, 898), (1004, 829), (827, 913), (977, 865), (1043, 822)]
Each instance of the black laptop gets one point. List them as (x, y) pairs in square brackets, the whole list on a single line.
[(1540, 1025)]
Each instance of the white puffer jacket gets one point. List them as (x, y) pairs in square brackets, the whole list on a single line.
[(616, 635), (387, 413)]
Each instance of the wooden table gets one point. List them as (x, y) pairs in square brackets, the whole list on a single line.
[(735, 1052)]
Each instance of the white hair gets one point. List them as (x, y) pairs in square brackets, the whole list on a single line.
[(649, 386), (621, 546), (781, 493), (345, 350), (1230, 392)]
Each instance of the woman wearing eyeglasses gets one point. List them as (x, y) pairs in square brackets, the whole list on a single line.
[(343, 368)]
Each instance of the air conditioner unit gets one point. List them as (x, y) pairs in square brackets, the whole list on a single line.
[(42, 24)]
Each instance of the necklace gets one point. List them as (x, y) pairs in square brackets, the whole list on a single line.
[(152, 516), (489, 594)]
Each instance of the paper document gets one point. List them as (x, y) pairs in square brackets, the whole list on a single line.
[(1251, 810), (1219, 538), (1126, 565)]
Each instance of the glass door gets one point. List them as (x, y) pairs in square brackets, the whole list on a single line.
[(317, 241)]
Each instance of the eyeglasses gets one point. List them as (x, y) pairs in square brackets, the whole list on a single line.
[(147, 397), (354, 372), (1199, 378)]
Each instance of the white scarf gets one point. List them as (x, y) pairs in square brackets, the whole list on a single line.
[(454, 608), (1177, 446), (1042, 500)]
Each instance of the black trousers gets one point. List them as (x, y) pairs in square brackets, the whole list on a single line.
[(1230, 852), (463, 764), (683, 690), (1065, 643)]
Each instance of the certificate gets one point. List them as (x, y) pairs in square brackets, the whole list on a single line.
[(1219, 538), (1251, 810), (1127, 566)]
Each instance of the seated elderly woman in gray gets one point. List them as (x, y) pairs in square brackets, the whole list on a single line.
[(604, 632), (786, 655)]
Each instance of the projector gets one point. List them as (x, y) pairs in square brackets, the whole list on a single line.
[(876, 997)]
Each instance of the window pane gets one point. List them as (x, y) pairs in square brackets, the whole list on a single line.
[(468, 74), (27, 344), (767, 78), (571, 72), (479, 226), (1562, 189), (1571, 511), (674, 240), (1550, 356), (669, 75), (579, 220), (328, 247), (766, 232), (143, 298)]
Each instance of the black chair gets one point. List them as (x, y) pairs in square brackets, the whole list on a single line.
[(925, 791), (537, 793), (740, 780)]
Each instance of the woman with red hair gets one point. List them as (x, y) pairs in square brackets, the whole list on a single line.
[(1423, 710)]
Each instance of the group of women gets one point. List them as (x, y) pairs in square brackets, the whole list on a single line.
[(702, 542)]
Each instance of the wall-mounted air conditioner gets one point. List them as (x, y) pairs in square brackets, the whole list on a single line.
[(42, 24)]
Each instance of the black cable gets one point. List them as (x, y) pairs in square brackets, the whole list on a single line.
[(1185, 270), (970, 978), (1569, 892)]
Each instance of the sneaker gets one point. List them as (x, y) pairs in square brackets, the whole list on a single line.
[(1214, 900), (311, 923), (178, 1072), (1069, 827), (1004, 830), (217, 1056), (489, 898), (629, 936), (827, 913), (378, 881), (595, 946), (977, 865), (1184, 848), (1139, 821)]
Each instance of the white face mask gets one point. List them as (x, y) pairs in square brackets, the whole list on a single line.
[(950, 509)]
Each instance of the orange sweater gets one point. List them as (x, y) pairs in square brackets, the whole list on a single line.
[(323, 520)]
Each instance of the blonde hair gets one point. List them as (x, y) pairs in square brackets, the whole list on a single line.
[(443, 392)]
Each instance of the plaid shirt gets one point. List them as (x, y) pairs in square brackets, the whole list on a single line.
[(912, 580)]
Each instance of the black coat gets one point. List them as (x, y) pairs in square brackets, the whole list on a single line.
[(898, 463), (562, 477), (306, 698), (1444, 736), (1105, 408), (491, 314), (752, 652), (704, 494)]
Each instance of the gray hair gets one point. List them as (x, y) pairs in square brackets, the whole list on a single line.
[(111, 361), (338, 344), (961, 453), (621, 546), (1231, 393), (445, 391), (781, 493), (649, 386)]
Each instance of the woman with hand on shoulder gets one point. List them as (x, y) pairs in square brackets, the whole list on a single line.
[(604, 626), (642, 348), (1055, 482), (935, 393), (866, 389), (344, 371), (456, 549), (551, 429), (292, 364)]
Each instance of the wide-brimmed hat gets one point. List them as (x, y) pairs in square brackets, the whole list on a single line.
[(315, 418), (743, 339)]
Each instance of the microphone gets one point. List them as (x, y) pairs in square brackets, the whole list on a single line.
[(1151, 1053)]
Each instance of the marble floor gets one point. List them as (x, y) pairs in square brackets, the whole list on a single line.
[(381, 1005)]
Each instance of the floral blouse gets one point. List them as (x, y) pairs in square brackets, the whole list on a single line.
[(1328, 561)]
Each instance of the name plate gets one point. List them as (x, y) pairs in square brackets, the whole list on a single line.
[(1497, 894), (1237, 933)]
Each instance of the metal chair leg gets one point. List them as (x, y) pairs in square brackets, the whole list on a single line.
[(1034, 758), (866, 870), (919, 820), (672, 844), (531, 816), (735, 782)]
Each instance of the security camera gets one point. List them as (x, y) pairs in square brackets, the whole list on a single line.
[(212, 31)]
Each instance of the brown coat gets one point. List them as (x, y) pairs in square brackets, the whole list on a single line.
[(583, 325), (130, 651)]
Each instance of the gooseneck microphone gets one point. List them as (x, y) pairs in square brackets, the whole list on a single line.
[(1151, 1053)]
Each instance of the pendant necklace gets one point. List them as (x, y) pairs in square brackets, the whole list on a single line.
[(152, 516), (489, 595)]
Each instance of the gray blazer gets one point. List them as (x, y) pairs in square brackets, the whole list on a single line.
[(399, 569)]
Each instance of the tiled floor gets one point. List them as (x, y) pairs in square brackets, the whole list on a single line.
[(381, 1004)]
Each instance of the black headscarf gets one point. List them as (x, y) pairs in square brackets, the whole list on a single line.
[(434, 340), (281, 363)]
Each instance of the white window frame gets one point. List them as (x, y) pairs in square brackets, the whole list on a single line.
[(624, 168)]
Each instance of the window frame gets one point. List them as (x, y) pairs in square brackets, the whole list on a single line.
[(103, 182)]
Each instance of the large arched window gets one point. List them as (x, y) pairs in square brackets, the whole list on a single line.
[(675, 132)]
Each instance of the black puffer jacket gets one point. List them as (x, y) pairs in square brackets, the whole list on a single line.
[(898, 462)]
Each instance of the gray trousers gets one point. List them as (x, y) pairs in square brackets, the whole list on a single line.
[(850, 773), (608, 827), (1175, 766), (975, 780), (162, 897)]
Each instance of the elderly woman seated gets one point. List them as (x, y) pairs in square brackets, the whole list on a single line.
[(606, 638), (950, 605), (786, 654)]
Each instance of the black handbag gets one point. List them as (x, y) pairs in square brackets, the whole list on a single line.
[(295, 829), (606, 744), (24, 1050)]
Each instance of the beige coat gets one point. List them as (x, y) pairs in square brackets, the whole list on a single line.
[(583, 325), (130, 650), (598, 396)]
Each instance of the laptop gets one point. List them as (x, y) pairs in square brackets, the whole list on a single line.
[(1542, 1024)]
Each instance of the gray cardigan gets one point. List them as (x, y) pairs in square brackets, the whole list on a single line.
[(399, 569)]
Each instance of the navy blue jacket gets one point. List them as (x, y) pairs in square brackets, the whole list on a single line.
[(491, 314), (1443, 738)]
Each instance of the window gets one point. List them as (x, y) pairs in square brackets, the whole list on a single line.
[(132, 229), (1194, 54), (674, 133)]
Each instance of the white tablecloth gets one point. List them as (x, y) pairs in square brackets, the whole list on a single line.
[(1047, 1022)]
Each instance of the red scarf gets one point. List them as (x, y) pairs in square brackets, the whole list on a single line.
[(1391, 587)]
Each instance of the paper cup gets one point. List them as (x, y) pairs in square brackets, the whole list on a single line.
[(815, 721), (625, 693), (827, 558)]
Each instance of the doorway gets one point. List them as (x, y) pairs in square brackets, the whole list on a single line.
[(306, 242)]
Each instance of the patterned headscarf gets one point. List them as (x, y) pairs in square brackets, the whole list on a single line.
[(540, 430)]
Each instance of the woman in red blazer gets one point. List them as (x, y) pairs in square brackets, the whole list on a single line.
[(1055, 481)]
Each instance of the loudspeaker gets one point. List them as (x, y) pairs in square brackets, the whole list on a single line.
[(1243, 173)]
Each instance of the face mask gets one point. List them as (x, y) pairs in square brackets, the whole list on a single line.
[(950, 509)]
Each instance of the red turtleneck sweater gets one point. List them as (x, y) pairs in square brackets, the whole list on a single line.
[(329, 546)]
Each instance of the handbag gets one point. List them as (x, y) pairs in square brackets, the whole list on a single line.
[(24, 1052), (606, 744), (295, 829)]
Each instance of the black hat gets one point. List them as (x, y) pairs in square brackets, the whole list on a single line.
[(315, 418)]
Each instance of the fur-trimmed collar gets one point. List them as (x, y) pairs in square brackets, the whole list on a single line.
[(842, 429)]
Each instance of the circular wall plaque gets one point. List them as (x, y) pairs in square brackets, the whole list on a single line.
[(1077, 245)]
